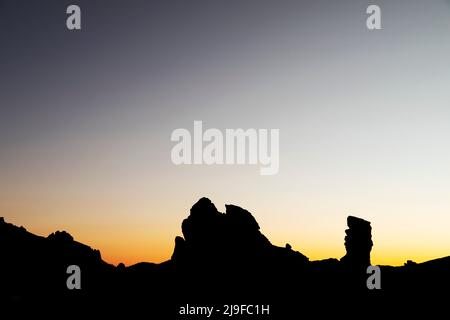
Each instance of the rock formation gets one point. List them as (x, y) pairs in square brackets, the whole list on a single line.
[(358, 243), (211, 236), (221, 257)]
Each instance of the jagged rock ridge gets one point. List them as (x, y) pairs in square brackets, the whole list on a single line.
[(210, 235)]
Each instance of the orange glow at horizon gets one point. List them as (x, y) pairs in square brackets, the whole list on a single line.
[(135, 241)]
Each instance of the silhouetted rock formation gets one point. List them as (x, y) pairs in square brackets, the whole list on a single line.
[(225, 239), (61, 236), (221, 258), (33, 266), (358, 243)]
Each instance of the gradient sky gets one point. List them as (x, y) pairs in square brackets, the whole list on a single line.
[(364, 119)]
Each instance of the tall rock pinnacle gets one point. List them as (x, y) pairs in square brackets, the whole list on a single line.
[(358, 243)]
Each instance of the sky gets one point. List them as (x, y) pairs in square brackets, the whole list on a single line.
[(86, 118)]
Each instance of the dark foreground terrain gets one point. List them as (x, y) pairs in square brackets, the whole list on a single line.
[(222, 259)]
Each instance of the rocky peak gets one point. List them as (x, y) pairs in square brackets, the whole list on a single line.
[(358, 242)]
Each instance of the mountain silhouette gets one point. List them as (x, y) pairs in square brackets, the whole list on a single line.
[(222, 258)]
